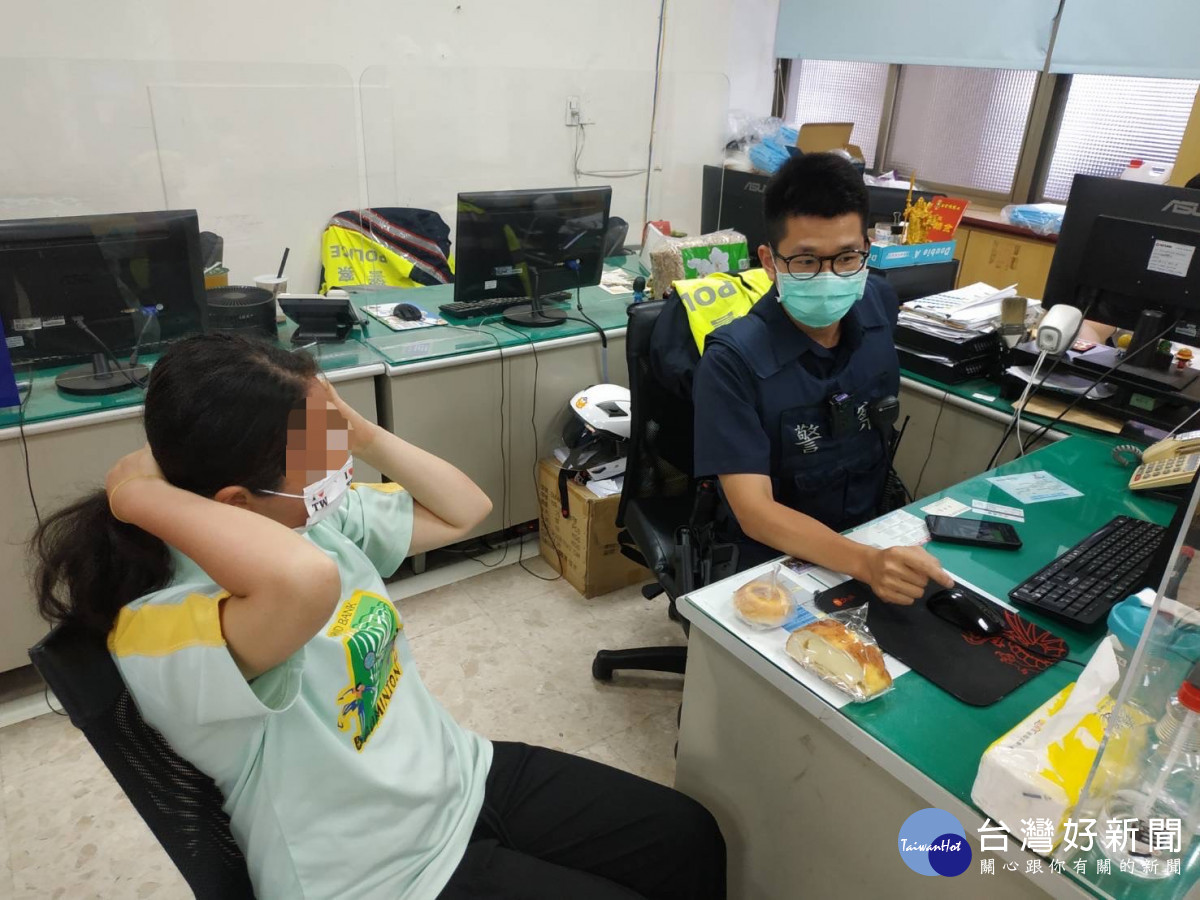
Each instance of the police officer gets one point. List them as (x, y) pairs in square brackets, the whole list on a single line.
[(786, 396)]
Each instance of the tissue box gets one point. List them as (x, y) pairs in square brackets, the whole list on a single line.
[(1037, 770)]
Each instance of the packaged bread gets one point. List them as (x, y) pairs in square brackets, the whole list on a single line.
[(765, 602), (842, 655)]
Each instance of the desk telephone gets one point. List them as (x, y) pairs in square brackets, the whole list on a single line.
[(1171, 462)]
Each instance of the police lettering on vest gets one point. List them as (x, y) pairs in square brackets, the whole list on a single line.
[(716, 300)]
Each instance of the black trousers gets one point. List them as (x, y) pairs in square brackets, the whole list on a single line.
[(557, 826)]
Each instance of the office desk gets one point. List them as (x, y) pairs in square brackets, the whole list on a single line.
[(489, 397), (477, 396), (954, 429), (811, 798), (72, 442)]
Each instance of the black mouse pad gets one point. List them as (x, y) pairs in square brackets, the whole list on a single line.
[(977, 670)]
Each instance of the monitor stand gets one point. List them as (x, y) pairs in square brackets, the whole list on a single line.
[(531, 315), (100, 378)]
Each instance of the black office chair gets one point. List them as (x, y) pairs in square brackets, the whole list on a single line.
[(181, 805), (659, 502)]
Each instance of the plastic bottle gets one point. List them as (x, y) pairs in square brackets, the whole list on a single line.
[(1167, 787)]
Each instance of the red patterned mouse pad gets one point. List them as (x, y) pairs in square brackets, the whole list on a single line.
[(976, 669)]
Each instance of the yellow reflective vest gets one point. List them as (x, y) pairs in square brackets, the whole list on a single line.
[(716, 300), (367, 246)]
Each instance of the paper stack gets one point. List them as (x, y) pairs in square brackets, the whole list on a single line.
[(975, 307)]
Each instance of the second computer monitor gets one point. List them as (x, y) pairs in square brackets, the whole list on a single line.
[(1126, 246), (133, 279), (529, 243)]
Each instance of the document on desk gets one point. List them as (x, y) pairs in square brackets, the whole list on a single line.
[(967, 307), (1035, 487), (616, 281), (896, 529), (947, 506), (1067, 384), (716, 601)]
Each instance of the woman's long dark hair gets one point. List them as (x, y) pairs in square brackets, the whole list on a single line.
[(216, 415)]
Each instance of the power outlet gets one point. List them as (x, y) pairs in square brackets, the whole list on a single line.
[(574, 113)]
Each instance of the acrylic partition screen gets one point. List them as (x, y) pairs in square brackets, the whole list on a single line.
[(431, 133), (266, 153), (1143, 793)]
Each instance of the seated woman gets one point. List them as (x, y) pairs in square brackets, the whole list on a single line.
[(238, 574)]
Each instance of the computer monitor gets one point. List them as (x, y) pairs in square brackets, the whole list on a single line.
[(99, 286), (530, 243), (1127, 246)]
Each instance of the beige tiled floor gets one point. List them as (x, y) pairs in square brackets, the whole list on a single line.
[(508, 654)]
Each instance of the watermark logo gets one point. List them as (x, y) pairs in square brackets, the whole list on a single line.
[(933, 842)]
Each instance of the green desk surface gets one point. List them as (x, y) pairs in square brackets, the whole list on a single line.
[(945, 738), (399, 348), (377, 345), (46, 403)]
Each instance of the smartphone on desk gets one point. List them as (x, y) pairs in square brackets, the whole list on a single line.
[(973, 532)]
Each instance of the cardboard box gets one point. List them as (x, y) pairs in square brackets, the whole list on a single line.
[(586, 541), (819, 137), (893, 256)]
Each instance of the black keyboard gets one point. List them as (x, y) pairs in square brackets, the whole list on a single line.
[(493, 306), (1081, 586)]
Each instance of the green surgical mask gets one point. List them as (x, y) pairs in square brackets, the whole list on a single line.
[(820, 301)]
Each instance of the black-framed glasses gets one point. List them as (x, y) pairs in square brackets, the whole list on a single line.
[(807, 265)]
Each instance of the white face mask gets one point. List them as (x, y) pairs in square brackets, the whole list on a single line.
[(324, 495)]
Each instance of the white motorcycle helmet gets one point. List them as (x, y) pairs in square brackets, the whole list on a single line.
[(596, 434)]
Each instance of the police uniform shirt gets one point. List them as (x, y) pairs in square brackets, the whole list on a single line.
[(762, 406)]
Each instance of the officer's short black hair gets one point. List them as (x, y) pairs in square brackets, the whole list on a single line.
[(815, 184)]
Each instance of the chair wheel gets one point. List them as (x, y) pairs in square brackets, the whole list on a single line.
[(601, 670)]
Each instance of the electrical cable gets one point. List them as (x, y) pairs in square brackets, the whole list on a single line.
[(112, 358), (533, 431), (588, 320), (658, 57), (1040, 433), (1029, 386), (37, 514), (916, 491), (137, 345), (1008, 429), (580, 144), (504, 498)]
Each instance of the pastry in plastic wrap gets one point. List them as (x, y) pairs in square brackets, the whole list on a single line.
[(845, 657), (764, 602)]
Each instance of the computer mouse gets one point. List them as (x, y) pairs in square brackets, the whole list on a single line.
[(967, 612), (408, 312)]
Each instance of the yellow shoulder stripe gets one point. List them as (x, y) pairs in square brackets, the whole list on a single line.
[(387, 487), (158, 630)]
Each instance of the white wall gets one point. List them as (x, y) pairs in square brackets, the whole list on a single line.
[(752, 56), (250, 111)]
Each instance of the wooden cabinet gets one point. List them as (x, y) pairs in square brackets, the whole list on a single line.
[(1001, 259)]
